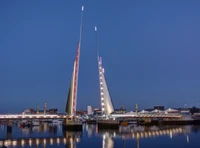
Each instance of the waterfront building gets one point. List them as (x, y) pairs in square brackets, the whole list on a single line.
[(89, 110)]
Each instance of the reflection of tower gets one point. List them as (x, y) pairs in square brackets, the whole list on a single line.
[(45, 107), (188, 140), (106, 101), (72, 94), (72, 138), (107, 142), (138, 142)]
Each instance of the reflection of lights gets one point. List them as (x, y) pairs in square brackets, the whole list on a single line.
[(77, 140), (114, 134), (51, 141), (37, 141), (65, 141), (142, 135), (153, 133), (170, 134), (6, 143), (188, 140), (58, 140), (30, 142), (22, 142), (44, 141), (9, 142)]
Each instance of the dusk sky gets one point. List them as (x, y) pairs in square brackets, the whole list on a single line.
[(150, 51)]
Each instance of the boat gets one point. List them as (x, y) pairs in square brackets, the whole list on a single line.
[(91, 121), (35, 123), (57, 121)]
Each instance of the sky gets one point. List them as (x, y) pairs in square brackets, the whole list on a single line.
[(150, 52)]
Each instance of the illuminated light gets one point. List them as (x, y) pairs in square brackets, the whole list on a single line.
[(38, 116), (102, 88), (102, 109), (101, 93), (100, 77)]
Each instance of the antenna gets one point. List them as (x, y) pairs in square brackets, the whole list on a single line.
[(81, 28), (95, 28)]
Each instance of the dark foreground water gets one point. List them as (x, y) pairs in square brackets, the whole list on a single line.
[(52, 136)]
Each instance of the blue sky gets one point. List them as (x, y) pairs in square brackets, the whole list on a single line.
[(150, 52)]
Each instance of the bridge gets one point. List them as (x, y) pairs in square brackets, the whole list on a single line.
[(33, 116), (57, 116)]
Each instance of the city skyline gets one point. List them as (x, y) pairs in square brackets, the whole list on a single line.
[(149, 49)]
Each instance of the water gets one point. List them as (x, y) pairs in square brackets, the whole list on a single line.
[(52, 136)]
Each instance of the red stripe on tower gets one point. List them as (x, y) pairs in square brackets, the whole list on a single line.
[(75, 78)]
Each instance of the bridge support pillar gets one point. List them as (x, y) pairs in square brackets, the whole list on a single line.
[(9, 129), (72, 125)]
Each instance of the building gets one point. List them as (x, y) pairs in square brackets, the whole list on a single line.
[(33, 111), (89, 110), (159, 108)]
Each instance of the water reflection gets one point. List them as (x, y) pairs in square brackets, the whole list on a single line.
[(52, 135), (42, 135), (141, 132)]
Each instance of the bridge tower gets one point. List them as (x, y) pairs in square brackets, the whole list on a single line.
[(73, 123), (106, 101)]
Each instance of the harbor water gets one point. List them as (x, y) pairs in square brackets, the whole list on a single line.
[(48, 135)]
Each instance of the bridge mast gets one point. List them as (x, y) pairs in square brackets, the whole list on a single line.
[(72, 95)]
